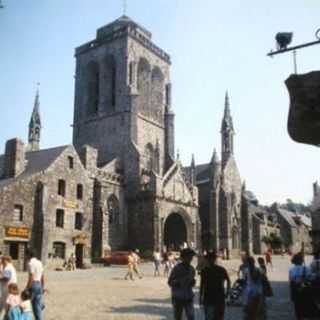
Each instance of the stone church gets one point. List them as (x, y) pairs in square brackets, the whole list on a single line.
[(220, 190), (119, 185)]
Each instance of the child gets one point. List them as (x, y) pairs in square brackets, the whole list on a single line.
[(13, 302), (25, 305)]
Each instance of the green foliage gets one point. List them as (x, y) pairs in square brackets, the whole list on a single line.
[(273, 240)]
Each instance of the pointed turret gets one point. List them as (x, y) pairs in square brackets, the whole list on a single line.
[(193, 171), (35, 125), (227, 133), (214, 158)]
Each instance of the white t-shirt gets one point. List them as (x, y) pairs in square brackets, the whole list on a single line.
[(9, 272), (26, 306), (36, 269)]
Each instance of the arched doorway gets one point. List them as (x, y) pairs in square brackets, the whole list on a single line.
[(175, 232)]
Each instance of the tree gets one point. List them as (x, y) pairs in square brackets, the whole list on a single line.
[(272, 240)]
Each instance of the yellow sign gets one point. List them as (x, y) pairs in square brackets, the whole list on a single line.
[(70, 204), (18, 232)]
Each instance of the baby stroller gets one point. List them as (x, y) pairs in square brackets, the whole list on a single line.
[(235, 296)]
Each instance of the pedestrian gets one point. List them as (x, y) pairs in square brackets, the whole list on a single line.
[(8, 276), (129, 273), (157, 262), (165, 261), (71, 264), (268, 256), (13, 301), (136, 262), (299, 274), (244, 265), (253, 302), (262, 266), (9, 273), (181, 281), (25, 305), (212, 288), (35, 284)]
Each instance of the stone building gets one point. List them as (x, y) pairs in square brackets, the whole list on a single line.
[(119, 185), (219, 186), (123, 109), (256, 223), (295, 230)]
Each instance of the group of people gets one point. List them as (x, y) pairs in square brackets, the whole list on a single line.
[(16, 305), (167, 259), (133, 265), (215, 287)]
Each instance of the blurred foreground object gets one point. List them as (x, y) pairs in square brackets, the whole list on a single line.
[(304, 112)]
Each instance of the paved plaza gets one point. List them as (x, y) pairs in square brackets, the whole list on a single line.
[(102, 293)]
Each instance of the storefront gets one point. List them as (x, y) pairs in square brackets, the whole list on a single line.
[(15, 245)]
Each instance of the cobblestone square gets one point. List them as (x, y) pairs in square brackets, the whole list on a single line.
[(102, 293)]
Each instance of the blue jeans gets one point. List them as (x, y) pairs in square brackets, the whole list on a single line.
[(36, 300)]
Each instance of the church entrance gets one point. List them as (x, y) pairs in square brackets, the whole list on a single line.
[(175, 232)]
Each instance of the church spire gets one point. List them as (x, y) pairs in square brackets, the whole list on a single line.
[(227, 132), (35, 125)]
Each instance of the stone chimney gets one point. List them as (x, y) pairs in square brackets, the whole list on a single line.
[(14, 162), (89, 157)]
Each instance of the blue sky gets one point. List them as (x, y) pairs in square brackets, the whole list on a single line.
[(214, 45)]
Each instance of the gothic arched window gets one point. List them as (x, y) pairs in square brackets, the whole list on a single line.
[(113, 209), (110, 81), (149, 157), (157, 93), (93, 90), (144, 80)]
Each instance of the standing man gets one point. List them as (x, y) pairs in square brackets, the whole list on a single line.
[(212, 288), (35, 283), (182, 280)]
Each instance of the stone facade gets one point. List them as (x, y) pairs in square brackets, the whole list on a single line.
[(133, 191), (294, 230), (219, 186), (30, 203)]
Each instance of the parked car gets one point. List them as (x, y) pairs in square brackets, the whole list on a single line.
[(116, 258)]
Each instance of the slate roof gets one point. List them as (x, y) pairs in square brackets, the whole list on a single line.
[(288, 216), (305, 220), (250, 196), (202, 171), (36, 161)]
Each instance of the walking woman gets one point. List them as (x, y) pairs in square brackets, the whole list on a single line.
[(253, 302)]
